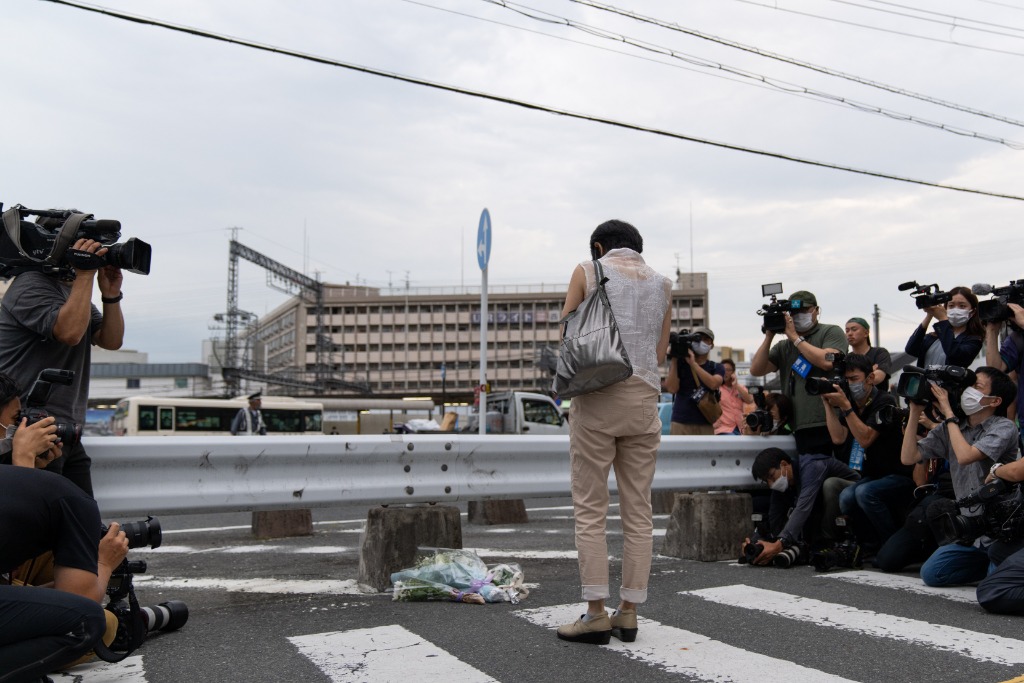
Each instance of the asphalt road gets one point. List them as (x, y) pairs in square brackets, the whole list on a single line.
[(289, 610)]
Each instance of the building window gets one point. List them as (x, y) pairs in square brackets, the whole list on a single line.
[(132, 383), (181, 382)]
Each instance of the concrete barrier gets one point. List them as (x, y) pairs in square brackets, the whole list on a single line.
[(707, 526)]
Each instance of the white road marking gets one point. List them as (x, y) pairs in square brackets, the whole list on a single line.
[(127, 671), (982, 647), (527, 554), (910, 584), (279, 586), (384, 654), (683, 652)]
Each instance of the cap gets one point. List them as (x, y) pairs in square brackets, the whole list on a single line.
[(805, 297), (705, 331), (257, 396), (860, 321)]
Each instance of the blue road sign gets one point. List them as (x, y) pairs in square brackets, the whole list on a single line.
[(483, 240)]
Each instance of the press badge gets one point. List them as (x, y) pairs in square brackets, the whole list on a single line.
[(802, 366)]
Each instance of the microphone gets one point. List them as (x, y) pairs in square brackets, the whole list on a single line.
[(907, 285), (981, 288)]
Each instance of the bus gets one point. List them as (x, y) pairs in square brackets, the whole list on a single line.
[(165, 416)]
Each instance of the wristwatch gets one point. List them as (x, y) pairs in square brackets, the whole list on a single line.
[(799, 341), (992, 471), (846, 413), (952, 419)]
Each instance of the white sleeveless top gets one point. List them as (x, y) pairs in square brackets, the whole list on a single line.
[(639, 296)]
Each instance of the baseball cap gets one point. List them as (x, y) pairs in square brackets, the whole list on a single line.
[(806, 298), (705, 331)]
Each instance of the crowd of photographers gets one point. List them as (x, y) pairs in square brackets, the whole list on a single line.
[(924, 473)]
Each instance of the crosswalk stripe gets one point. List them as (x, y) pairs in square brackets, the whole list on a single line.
[(129, 670), (698, 657), (282, 586), (910, 584), (982, 647), (384, 654)]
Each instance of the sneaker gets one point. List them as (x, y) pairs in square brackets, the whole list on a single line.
[(596, 631), (624, 625)]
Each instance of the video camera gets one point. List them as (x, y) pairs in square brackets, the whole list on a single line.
[(134, 623), (816, 386), (1002, 515), (926, 296), (996, 310), (46, 244), (774, 312), (915, 385), (679, 343), (68, 433)]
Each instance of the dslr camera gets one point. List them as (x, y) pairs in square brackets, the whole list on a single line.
[(1002, 515), (816, 386), (774, 312), (679, 343), (68, 433), (45, 245), (996, 310), (914, 385), (760, 419), (926, 296)]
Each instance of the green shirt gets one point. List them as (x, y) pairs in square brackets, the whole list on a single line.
[(807, 410)]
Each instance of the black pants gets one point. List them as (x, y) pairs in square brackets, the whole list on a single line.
[(1002, 591), (76, 465), (42, 629), (913, 543)]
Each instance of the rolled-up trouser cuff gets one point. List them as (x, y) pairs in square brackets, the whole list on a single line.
[(637, 595), (596, 592)]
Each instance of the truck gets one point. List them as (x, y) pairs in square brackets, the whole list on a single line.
[(521, 412)]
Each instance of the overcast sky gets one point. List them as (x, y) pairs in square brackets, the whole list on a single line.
[(365, 179)]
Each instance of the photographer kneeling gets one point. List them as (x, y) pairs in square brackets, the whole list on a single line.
[(986, 437), (1002, 592)]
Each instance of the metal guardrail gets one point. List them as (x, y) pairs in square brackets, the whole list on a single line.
[(135, 476)]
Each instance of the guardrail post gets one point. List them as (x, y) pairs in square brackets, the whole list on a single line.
[(708, 526), (282, 523), (497, 512), (393, 535)]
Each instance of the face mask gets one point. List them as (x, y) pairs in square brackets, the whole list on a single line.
[(802, 321), (958, 317), (780, 485), (859, 391), (9, 430), (700, 348), (970, 400)]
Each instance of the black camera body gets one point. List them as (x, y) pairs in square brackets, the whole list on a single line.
[(679, 343), (774, 312), (914, 384), (926, 296), (1002, 515), (816, 386), (68, 433), (996, 310), (46, 246)]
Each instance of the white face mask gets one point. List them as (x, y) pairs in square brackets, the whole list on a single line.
[(958, 317), (700, 348), (970, 400), (9, 430), (780, 485), (802, 321)]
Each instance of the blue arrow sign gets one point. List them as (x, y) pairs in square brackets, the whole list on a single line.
[(483, 240)]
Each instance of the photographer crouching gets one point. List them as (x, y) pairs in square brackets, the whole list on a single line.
[(972, 444), (1002, 591)]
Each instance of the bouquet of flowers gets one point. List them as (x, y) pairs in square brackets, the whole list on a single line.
[(459, 576)]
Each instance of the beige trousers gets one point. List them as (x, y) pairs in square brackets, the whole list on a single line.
[(615, 427)]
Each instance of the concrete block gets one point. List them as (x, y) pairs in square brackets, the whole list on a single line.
[(707, 526), (662, 502), (497, 512), (282, 523), (394, 534)]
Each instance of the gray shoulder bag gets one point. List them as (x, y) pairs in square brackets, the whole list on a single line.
[(592, 353)]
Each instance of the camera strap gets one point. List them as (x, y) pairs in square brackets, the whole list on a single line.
[(64, 238), (135, 633)]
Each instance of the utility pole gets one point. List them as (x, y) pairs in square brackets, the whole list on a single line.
[(875, 323)]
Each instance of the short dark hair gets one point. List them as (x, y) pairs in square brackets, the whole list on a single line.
[(729, 361), (858, 361), (9, 389), (783, 403), (1002, 386), (768, 460), (616, 234)]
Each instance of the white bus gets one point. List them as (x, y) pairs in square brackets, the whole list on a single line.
[(164, 416)]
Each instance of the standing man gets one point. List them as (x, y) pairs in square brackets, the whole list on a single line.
[(858, 333), (734, 396), (689, 378), (47, 322), (1009, 356), (800, 355), (249, 421)]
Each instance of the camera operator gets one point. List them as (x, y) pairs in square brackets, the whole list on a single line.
[(49, 323), (800, 355), (734, 396), (871, 444), (1002, 591), (858, 334), (971, 447), (957, 335), (689, 380), (779, 408), (1009, 357), (798, 512), (36, 443)]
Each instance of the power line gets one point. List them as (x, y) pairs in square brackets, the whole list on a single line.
[(779, 84), (879, 28), (518, 103), (956, 23), (793, 61)]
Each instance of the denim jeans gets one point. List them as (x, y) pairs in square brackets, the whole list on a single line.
[(1003, 591), (953, 565), (870, 503)]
